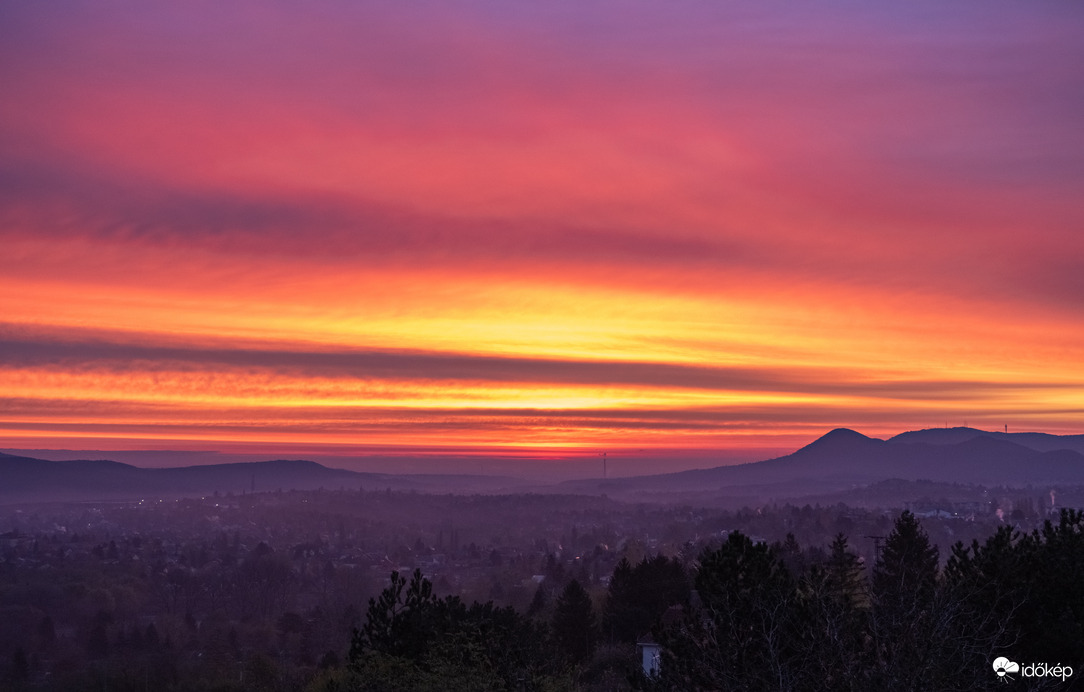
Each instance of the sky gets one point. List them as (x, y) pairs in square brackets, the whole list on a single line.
[(548, 229)]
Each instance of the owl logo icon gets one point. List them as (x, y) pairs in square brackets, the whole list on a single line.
[(1003, 666)]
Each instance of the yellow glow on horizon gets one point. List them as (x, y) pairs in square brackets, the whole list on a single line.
[(497, 244), (854, 362)]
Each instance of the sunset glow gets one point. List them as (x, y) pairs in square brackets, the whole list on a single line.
[(555, 228)]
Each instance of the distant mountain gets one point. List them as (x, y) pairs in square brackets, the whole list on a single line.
[(845, 458), (25, 479), (840, 460), (1040, 442), (29, 479)]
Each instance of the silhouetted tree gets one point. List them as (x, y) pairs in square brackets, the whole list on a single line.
[(741, 638), (1055, 607), (538, 602), (903, 590), (791, 554), (412, 640), (574, 625), (832, 615), (638, 596), (905, 574)]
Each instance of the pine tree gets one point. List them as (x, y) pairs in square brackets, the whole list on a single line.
[(638, 596), (905, 574), (743, 637), (832, 621), (986, 588), (1052, 621), (538, 602), (844, 575), (905, 626), (405, 618), (574, 624)]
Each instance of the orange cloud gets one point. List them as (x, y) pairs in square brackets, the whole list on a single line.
[(492, 227)]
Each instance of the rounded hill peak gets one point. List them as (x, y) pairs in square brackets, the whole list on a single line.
[(842, 435), (839, 440)]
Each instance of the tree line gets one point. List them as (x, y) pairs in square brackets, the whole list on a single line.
[(752, 616)]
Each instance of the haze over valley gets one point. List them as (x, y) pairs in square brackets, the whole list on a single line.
[(839, 461)]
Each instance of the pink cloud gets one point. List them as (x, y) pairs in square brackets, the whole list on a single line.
[(917, 161)]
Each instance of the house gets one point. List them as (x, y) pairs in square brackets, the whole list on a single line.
[(649, 654), (649, 649)]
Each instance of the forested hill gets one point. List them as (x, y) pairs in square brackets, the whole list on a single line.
[(1040, 442), (840, 460), (844, 458), (26, 479)]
